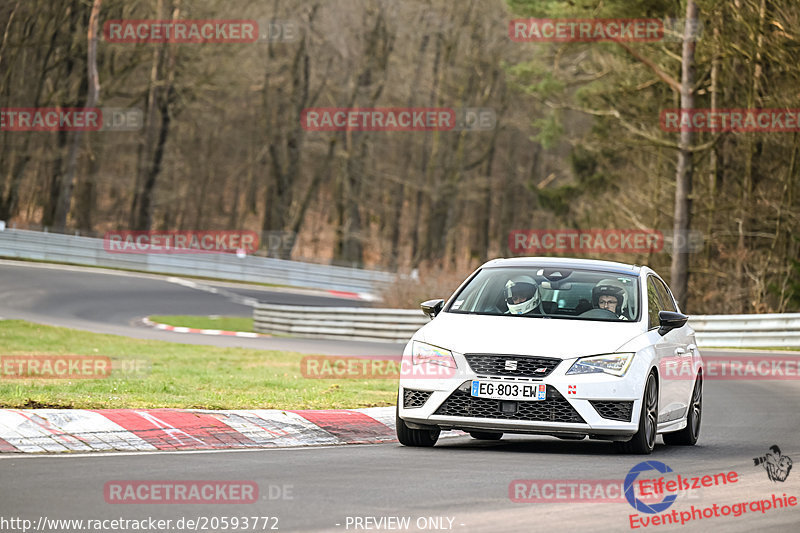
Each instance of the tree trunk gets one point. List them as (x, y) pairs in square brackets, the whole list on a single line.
[(679, 272), (64, 200), (713, 156), (745, 202), (152, 153)]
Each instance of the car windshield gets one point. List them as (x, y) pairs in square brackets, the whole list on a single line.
[(548, 292)]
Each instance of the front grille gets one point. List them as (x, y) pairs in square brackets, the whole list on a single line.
[(613, 410), (415, 398), (554, 409), (495, 365)]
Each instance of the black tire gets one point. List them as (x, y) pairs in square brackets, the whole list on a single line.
[(688, 435), (644, 440), (414, 437), (485, 435)]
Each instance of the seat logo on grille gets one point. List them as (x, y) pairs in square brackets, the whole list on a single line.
[(511, 365)]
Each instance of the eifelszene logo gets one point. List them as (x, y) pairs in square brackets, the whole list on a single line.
[(777, 466), (636, 503)]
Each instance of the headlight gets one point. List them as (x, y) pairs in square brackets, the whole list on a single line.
[(426, 353), (615, 364)]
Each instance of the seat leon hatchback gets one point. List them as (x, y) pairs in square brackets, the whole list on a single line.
[(553, 346)]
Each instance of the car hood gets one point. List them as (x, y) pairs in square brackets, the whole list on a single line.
[(545, 337)]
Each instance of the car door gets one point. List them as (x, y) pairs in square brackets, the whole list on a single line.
[(683, 339), (666, 348)]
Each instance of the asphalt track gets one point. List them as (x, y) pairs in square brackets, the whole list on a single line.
[(460, 479), (114, 302)]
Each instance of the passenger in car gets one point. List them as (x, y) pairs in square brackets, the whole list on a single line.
[(610, 298)]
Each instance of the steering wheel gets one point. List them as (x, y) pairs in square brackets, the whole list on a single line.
[(602, 314)]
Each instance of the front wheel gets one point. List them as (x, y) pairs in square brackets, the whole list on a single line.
[(414, 437), (644, 440), (688, 435)]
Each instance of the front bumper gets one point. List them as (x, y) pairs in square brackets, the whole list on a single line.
[(597, 405)]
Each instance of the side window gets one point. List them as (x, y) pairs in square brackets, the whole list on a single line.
[(653, 304), (666, 299)]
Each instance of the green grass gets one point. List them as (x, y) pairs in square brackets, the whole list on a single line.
[(227, 323), (175, 375)]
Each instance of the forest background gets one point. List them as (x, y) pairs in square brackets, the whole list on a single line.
[(577, 141)]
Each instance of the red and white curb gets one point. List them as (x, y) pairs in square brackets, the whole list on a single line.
[(181, 329), (82, 430), (367, 297)]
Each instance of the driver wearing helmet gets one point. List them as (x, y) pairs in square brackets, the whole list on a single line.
[(522, 296), (609, 297)]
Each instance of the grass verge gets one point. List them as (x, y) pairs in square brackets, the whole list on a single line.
[(226, 323), (151, 374)]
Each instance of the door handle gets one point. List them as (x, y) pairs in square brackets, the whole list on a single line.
[(680, 351)]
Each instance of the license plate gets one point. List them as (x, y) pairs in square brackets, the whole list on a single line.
[(502, 390)]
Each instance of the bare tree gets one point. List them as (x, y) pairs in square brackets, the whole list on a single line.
[(679, 271)]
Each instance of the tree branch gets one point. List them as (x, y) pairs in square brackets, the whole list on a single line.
[(669, 80)]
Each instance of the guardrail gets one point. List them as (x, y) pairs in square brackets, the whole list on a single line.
[(351, 323), (398, 325), (747, 331), (44, 246)]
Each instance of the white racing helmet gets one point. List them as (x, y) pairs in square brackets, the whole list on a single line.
[(611, 287), (521, 287)]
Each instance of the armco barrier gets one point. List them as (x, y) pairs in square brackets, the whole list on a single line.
[(43, 246), (352, 323), (398, 325), (747, 331)]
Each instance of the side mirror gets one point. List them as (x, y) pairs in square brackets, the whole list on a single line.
[(432, 307), (670, 320)]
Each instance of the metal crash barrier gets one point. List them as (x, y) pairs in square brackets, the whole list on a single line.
[(398, 325)]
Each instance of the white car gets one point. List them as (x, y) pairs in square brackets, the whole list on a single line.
[(554, 346)]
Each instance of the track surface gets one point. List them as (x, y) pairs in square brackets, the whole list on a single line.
[(460, 478), (105, 301)]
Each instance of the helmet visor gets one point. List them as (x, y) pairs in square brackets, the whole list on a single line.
[(520, 292)]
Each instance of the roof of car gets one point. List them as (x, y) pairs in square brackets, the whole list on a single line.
[(564, 262)]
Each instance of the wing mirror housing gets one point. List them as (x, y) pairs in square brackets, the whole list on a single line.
[(670, 320), (431, 308)]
